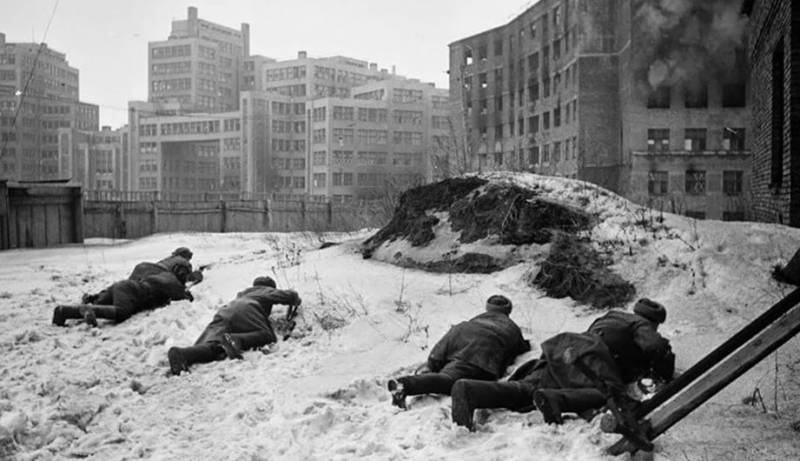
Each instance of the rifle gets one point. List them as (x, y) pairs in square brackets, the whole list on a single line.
[(197, 276), (291, 313)]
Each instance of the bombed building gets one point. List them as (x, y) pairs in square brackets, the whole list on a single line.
[(644, 97), (774, 81)]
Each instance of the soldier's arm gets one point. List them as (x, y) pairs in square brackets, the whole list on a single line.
[(288, 297), (257, 338), (437, 359)]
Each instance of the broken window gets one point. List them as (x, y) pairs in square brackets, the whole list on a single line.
[(484, 105), (483, 80), (468, 58), (658, 140), (659, 97), (483, 53), (696, 95), (532, 30), (732, 182), (733, 94), (695, 182), (695, 139), (732, 138), (657, 182), (556, 16), (776, 166)]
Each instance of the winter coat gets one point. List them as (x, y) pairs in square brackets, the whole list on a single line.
[(249, 313), (635, 345), (150, 292), (556, 369), (171, 261), (490, 341), (144, 269)]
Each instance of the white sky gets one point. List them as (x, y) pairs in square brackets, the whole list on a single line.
[(107, 39)]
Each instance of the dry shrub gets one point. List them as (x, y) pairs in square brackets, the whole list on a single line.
[(574, 269)]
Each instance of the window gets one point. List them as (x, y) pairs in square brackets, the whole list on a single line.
[(658, 140), (733, 94), (695, 139), (533, 155), (556, 152), (659, 97), (778, 107), (696, 95), (732, 183), (657, 182), (546, 154), (343, 113), (498, 47), (546, 121), (733, 138), (498, 158), (557, 117), (319, 179), (733, 215), (533, 124), (320, 157), (695, 182), (533, 64)]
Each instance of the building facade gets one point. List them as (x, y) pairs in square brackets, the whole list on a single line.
[(98, 160), (775, 83), (577, 88), (199, 66), (39, 94)]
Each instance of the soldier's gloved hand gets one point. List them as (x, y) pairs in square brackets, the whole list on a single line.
[(188, 295)]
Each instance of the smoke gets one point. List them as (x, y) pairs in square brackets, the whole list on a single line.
[(689, 41)]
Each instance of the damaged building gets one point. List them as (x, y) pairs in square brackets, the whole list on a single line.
[(774, 86), (644, 97)]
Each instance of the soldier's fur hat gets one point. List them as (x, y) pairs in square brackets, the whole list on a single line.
[(498, 303), (651, 310), (183, 252), (264, 281)]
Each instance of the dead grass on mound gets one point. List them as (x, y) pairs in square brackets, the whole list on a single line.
[(477, 209), (575, 269)]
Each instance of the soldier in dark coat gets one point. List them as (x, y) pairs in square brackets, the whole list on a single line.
[(480, 348), (577, 371), (241, 325), (181, 256), (128, 297)]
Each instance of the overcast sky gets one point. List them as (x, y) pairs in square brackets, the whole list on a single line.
[(107, 39)]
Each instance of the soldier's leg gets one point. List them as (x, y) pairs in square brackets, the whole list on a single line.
[(470, 394), (553, 402), (62, 313), (180, 358)]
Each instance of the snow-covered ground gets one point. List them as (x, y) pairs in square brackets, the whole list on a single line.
[(104, 393)]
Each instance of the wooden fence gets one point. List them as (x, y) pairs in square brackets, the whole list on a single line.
[(39, 214), (116, 219)]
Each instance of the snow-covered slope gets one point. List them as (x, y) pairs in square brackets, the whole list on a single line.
[(104, 393)]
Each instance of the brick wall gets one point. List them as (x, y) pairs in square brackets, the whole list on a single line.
[(771, 20)]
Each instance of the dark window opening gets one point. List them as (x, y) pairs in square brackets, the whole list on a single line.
[(776, 167), (657, 182), (695, 139), (696, 95), (734, 94), (695, 182), (733, 215), (732, 182), (733, 139), (659, 97)]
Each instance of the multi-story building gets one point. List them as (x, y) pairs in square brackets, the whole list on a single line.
[(96, 159), (377, 141), (199, 66), (39, 94), (189, 156), (577, 88), (774, 78)]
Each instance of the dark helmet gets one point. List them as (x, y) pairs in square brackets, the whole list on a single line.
[(651, 310), (498, 303), (264, 281), (183, 252)]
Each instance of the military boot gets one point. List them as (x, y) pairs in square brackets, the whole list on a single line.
[(180, 358), (62, 313)]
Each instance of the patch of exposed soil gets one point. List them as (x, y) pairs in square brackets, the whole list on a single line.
[(512, 213), (575, 269)]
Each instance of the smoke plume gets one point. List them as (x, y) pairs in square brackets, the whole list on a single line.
[(687, 41)]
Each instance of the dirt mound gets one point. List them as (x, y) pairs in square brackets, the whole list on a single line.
[(575, 269), (477, 209)]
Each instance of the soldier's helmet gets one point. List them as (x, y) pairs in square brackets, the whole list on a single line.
[(183, 252), (264, 281)]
